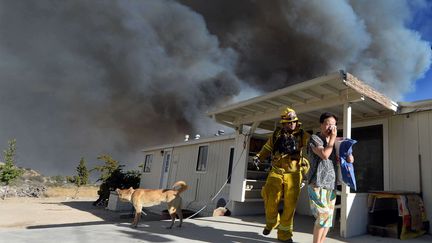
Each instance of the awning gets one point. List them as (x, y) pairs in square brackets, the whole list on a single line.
[(310, 99)]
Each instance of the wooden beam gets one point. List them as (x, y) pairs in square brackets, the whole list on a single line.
[(312, 93), (361, 87), (302, 108), (330, 88), (288, 90)]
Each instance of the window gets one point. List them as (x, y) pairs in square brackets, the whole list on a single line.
[(230, 164), (368, 156), (148, 162), (202, 158)]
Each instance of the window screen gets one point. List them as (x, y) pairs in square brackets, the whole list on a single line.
[(368, 156), (147, 163), (202, 158), (230, 164)]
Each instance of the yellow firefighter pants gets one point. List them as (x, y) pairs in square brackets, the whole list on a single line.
[(278, 185)]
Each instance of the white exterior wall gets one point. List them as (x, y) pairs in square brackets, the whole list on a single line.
[(403, 142), (238, 182), (151, 179), (411, 136), (202, 185)]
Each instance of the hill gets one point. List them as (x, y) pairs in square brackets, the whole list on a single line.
[(33, 184)]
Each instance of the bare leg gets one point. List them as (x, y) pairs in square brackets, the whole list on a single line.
[(318, 234), (324, 235)]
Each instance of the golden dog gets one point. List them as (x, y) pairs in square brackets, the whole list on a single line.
[(149, 197)]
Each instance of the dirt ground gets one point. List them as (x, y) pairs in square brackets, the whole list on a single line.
[(58, 206), (24, 212), (62, 206)]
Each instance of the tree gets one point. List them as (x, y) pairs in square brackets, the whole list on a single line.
[(82, 174), (110, 172), (108, 168), (8, 171), (113, 177)]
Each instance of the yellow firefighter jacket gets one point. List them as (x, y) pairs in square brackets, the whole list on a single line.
[(289, 160)]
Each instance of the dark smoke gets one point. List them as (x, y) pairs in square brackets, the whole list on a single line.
[(81, 78), (284, 42)]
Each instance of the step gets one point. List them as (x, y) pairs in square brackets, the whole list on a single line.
[(253, 194), (254, 184), (256, 175)]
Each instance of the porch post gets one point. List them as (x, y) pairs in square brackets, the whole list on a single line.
[(237, 174), (346, 196)]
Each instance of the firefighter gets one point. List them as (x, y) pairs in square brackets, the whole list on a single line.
[(285, 178)]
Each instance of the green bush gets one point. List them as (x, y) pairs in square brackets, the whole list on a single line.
[(112, 177)]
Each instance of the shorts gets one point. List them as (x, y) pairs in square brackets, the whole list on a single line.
[(322, 202)]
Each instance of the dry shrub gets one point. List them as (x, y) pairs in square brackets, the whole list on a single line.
[(83, 191)]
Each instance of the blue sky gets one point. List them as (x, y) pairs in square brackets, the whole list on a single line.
[(423, 89), (422, 22)]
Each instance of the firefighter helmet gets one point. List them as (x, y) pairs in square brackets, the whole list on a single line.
[(288, 115)]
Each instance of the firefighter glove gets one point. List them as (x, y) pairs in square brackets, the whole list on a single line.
[(256, 162)]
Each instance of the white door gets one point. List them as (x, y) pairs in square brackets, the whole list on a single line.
[(165, 169)]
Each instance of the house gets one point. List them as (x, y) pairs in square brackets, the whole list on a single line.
[(394, 151)]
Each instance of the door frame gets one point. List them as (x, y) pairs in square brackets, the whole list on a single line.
[(165, 170)]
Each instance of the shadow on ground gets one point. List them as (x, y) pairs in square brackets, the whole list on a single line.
[(208, 229), (106, 216), (151, 232), (116, 227)]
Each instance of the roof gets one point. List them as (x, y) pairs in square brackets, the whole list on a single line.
[(191, 141), (309, 99), (416, 106)]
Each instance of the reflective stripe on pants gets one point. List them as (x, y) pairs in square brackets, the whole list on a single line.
[(278, 184)]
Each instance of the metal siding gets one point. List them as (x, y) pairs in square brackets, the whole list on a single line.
[(404, 144), (202, 185), (425, 144), (152, 179), (185, 169), (411, 166), (223, 165), (212, 180), (409, 136), (395, 152)]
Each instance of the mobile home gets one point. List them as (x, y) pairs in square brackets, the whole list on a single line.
[(203, 163), (393, 152)]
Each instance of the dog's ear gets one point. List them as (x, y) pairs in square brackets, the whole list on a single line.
[(117, 190), (130, 188)]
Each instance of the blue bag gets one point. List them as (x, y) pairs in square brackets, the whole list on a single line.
[(347, 169)]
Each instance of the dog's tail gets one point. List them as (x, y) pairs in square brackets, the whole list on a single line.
[(180, 186)]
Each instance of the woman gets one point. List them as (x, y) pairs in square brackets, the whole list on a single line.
[(322, 175)]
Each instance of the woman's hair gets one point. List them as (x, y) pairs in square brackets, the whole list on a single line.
[(326, 115)]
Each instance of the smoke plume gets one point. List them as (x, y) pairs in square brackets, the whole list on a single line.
[(284, 42), (81, 78)]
